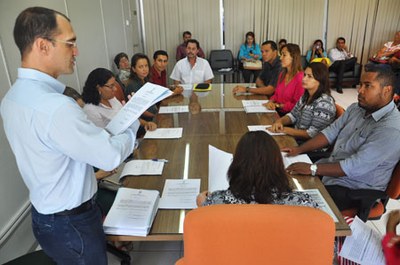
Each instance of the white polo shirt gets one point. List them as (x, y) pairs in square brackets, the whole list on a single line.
[(184, 73)]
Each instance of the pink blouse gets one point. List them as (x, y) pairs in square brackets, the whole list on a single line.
[(288, 94)]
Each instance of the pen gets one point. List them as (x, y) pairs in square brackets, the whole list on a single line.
[(160, 160)]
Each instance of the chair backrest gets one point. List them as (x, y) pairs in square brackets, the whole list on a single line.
[(393, 189), (339, 110), (221, 59), (257, 234)]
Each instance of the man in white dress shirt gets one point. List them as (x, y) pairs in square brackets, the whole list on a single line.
[(54, 143), (192, 69), (342, 61)]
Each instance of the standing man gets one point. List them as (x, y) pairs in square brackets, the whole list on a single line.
[(342, 61), (54, 143), (365, 141), (266, 81), (181, 49), (192, 69)]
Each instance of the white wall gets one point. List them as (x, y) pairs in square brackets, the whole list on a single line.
[(104, 28)]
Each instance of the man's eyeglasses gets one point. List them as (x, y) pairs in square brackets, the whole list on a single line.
[(70, 44)]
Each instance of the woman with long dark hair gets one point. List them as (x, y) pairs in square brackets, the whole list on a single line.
[(256, 175), (249, 51), (289, 88), (316, 108)]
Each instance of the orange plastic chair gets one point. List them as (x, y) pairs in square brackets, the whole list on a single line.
[(257, 234), (379, 207)]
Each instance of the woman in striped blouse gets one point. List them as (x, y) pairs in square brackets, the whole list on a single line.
[(316, 108)]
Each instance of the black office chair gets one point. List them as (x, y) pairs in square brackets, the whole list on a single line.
[(222, 63)]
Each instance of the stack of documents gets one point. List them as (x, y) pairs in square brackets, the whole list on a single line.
[(364, 245), (132, 212), (263, 128), (164, 133), (147, 95), (256, 106)]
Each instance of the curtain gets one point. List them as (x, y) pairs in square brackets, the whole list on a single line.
[(166, 20), (353, 20), (387, 23), (298, 21), (365, 24)]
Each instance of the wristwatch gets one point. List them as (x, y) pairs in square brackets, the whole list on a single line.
[(247, 89), (313, 169)]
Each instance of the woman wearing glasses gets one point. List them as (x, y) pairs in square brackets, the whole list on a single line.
[(100, 103)]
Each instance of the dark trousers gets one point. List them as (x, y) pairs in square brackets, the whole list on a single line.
[(340, 67), (71, 239), (247, 75), (341, 196), (361, 199)]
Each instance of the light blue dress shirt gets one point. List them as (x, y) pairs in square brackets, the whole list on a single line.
[(367, 147), (55, 145)]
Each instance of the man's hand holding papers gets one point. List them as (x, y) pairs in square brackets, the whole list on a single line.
[(147, 95)]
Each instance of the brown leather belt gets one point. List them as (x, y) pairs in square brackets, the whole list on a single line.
[(86, 206)]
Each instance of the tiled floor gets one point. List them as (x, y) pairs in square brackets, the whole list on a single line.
[(152, 253), (348, 97)]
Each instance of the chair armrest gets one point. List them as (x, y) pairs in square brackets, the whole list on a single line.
[(357, 70)]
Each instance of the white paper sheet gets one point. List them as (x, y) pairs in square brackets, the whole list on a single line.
[(364, 245), (257, 109), (218, 165), (288, 160), (180, 194), (142, 167), (173, 109), (147, 95), (263, 128), (254, 102), (164, 133), (316, 195), (132, 212)]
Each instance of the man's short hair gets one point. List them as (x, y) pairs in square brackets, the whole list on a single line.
[(282, 40), (159, 52), (33, 23), (273, 45), (186, 33), (193, 41), (341, 38), (118, 58), (385, 75)]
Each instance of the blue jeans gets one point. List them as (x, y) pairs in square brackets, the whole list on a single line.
[(73, 239)]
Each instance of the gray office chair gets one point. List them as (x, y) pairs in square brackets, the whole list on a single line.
[(221, 61)]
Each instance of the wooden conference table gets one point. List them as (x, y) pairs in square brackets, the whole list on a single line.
[(221, 122)]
